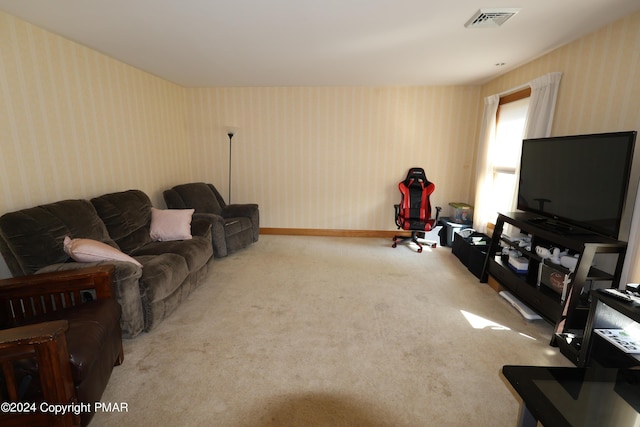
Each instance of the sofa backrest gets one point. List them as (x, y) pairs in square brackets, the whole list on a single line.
[(202, 197), (32, 238), (127, 216)]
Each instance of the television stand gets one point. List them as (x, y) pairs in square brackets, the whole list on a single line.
[(556, 226), (566, 308)]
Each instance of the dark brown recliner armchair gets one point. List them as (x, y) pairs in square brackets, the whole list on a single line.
[(234, 226), (59, 341)]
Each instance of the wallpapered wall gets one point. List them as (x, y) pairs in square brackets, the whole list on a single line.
[(599, 92), (75, 123), (86, 124), (331, 158), (600, 86)]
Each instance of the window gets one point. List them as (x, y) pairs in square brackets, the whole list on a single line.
[(505, 152), (497, 168)]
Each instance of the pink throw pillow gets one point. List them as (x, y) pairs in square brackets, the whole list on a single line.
[(88, 250), (171, 224)]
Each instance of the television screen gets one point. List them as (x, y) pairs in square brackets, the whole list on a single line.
[(581, 180)]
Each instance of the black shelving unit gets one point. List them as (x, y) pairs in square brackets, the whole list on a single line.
[(611, 314), (569, 315)]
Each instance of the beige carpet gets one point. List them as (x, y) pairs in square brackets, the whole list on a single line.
[(321, 331)]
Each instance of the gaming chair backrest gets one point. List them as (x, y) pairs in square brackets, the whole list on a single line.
[(415, 189)]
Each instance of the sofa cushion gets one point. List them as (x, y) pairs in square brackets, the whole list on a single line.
[(33, 238), (88, 250), (127, 216), (171, 224), (162, 274), (196, 251)]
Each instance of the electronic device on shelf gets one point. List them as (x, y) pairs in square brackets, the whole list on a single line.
[(569, 261), (579, 182), (543, 252)]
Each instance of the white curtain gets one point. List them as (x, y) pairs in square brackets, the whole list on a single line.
[(482, 213), (542, 105)]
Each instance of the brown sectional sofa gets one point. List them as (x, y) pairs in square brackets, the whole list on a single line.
[(31, 242)]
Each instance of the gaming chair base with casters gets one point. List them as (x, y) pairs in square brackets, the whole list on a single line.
[(414, 211), (415, 235)]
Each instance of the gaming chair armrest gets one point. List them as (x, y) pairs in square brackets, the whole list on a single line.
[(397, 214)]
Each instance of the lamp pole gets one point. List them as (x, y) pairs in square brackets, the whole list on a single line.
[(230, 135)]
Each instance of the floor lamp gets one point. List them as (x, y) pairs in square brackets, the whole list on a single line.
[(230, 135)]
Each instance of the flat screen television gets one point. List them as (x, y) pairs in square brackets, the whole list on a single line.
[(578, 181)]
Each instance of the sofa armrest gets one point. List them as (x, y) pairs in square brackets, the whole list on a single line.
[(27, 297), (126, 287), (233, 211), (216, 222), (46, 344), (248, 210), (218, 238)]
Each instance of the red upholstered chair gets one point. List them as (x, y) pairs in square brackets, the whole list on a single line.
[(414, 211)]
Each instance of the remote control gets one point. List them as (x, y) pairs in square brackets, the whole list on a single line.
[(617, 294)]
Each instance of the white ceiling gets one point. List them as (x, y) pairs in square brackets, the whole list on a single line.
[(318, 42)]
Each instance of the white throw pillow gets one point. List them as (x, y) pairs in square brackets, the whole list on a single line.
[(171, 224), (88, 250)]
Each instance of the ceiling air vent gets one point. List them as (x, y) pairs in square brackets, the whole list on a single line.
[(490, 18)]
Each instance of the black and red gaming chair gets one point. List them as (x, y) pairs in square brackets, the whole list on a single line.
[(414, 211)]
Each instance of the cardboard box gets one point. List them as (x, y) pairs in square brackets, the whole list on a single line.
[(495, 285)]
